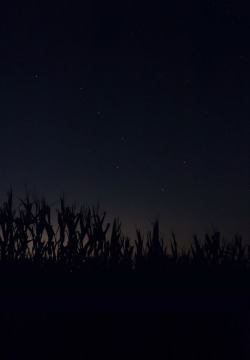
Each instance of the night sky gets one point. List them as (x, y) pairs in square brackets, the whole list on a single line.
[(143, 106)]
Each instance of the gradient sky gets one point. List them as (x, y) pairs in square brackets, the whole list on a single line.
[(143, 106)]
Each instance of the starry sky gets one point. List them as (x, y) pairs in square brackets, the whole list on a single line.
[(143, 106)]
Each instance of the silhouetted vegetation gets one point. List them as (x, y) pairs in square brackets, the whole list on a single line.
[(83, 244)]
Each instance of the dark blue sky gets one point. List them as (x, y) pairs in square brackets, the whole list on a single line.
[(142, 105)]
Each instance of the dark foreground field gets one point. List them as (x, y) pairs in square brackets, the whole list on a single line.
[(124, 335), (76, 291)]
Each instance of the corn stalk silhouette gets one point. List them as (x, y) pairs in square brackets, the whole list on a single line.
[(81, 244)]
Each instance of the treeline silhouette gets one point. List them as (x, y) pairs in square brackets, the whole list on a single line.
[(80, 244)]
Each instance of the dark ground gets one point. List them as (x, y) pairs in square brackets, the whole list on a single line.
[(125, 335)]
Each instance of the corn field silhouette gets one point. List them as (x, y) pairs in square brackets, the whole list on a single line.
[(83, 244)]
